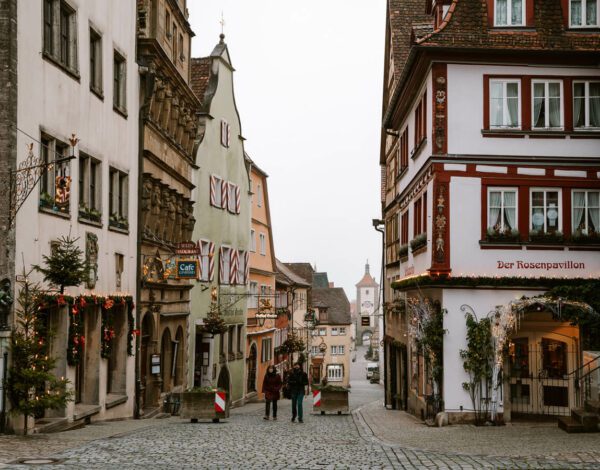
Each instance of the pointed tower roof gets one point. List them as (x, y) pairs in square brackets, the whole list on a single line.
[(367, 280)]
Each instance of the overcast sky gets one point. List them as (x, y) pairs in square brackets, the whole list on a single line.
[(308, 86)]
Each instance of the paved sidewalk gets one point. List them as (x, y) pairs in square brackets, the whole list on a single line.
[(531, 441)]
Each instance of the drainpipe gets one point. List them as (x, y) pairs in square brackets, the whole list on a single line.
[(380, 227), (147, 81)]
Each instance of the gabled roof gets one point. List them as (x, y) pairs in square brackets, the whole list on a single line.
[(287, 277), (336, 302), (200, 76), (367, 281), (304, 270), (320, 280)]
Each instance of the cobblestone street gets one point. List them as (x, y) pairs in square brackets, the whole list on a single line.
[(349, 441)]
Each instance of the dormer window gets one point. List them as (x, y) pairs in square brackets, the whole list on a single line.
[(583, 13), (509, 12)]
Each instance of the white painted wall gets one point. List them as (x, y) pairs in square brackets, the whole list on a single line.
[(465, 120), (482, 301), (467, 258), (51, 99)]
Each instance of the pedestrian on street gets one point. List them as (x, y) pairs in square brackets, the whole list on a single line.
[(296, 383), (271, 386)]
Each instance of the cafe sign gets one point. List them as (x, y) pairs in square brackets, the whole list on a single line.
[(187, 269), (187, 248)]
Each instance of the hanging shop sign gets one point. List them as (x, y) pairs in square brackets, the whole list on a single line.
[(267, 316), (187, 269), (187, 248)]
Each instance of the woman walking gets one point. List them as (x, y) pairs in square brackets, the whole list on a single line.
[(271, 387)]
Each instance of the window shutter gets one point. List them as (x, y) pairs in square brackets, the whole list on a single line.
[(233, 266), (213, 195), (530, 13), (565, 11), (224, 194), (199, 247), (490, 13), (223, 276), (238, 200), (211, 261)]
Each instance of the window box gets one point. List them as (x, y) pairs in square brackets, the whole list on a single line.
[(334, 399), (418, 242), (199, 403), (47, 203), (546, 238), (90, 214), (116, 221), (498, 236), (580, 238), (403, 252)]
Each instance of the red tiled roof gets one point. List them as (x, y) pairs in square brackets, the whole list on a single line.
[(200, 76)]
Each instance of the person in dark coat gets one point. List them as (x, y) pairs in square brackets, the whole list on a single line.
[(271, 387), (296, 383)]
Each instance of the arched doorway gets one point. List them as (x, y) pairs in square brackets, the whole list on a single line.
[(166, 360), (145, 353), (251, 367), (224, 382), (366, 338), (178, 353)]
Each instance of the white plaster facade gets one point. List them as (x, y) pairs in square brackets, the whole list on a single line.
[(57, 103)]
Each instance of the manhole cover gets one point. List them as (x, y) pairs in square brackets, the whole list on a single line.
[(38, 461)]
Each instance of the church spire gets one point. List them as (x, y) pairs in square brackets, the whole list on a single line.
[(367, 268)]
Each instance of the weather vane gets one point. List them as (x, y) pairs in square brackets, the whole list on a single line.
[(222, 22)]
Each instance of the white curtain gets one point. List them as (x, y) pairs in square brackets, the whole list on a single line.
[(578, 210), (554, 104), (495, 201), (594, 211), (512, 103), (578, 104), (538, 104), (594, 101), (496, 104), (501, 12), (576, 12), (590, 13), (517, 12), (509, 209)]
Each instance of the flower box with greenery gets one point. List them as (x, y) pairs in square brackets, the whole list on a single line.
[(90, 214), (418, 242), (546, 238), (334, 398), (47, 202), (117, 221), (502, 236), (581, 238), (292, 344), (199, 403), (403, 251)]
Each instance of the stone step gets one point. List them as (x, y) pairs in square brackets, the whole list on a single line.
[(150, 413), (48, 425), (592, 406), (569, 425), (585, 418)]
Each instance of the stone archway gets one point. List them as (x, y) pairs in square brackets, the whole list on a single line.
[(251, 368), (146, 350), (224, 382)]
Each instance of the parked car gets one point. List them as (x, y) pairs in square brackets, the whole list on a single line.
[(375, 377), (372, 367)]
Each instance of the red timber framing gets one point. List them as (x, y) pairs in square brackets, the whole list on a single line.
[(440, 257), (439, 124)]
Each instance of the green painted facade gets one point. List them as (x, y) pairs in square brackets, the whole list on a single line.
[(222, 228)]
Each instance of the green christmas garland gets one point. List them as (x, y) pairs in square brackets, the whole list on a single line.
[(483, 281), (76, 307)]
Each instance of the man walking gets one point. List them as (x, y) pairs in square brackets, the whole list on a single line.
[(297, 382)]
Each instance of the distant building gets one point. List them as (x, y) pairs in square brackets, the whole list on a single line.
[(367, 308)]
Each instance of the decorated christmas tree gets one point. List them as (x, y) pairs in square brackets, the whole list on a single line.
[(66, 265), (31, 386)]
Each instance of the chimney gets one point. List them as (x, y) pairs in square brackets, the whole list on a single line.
[(331, 285)]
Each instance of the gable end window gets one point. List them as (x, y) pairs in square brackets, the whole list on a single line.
[(225, 134), (583, 14), (586, 104)]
